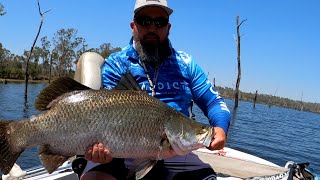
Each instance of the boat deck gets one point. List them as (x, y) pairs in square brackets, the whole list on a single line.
[(228, 166)]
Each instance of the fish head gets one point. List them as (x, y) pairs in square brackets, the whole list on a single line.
[(186, 134)]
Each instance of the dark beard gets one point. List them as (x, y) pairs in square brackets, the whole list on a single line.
[(152, 53)]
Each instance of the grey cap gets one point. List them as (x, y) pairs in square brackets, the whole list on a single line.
[(144, 3)]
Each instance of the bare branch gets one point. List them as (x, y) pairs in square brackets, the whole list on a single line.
[(32, 47), (242, 22), (39, 8), (47, 11)]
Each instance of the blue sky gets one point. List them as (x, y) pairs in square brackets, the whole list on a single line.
[(280, 49)]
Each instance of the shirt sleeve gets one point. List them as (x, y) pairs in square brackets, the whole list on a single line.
[(208, 98), (111, 71)]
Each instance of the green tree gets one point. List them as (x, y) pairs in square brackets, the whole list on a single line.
[(15, 69), (4, 53), (45, 55), (10, 66), (2, 11), (5, 56), (106, 49), (66, 44), (1, 53), (35, 58), (83, 47)]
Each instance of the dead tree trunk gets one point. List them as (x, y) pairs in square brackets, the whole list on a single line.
[(29, 56), (236, 95), (301, 102), (255, 99), (50, 66)]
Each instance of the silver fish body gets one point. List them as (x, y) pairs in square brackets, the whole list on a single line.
[(131, 124)]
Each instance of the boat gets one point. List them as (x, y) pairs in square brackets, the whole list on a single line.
[(228, 163)]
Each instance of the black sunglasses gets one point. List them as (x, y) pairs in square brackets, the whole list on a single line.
[(146, 21)]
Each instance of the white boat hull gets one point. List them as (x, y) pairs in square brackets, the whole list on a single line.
[(228, 163)]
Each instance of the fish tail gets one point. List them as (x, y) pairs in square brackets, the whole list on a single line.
[(8, 154)]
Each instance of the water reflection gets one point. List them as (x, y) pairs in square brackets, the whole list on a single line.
[(14, 105), (233, 117), (25, 108)]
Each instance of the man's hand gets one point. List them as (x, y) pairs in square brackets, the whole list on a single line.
[(98, 154), (219, 139)]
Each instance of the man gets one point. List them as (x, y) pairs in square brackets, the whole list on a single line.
[(169, 75)]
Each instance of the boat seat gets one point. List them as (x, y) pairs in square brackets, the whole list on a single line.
[(88, 70)]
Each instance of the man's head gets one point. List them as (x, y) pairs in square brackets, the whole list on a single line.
[(150, 28)]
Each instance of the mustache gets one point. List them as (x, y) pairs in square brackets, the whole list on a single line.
[(152, 35)]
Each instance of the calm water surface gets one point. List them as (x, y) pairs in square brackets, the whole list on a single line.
[(14, 106), (275, 134)]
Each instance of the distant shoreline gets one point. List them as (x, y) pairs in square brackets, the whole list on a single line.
[(21, 81), (229, 93)]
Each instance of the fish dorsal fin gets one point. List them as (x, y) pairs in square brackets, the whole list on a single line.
[(127, 82), (55, 89)]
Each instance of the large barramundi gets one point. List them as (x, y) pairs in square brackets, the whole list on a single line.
[(130, 123)]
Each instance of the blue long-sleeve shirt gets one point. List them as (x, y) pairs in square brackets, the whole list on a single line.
[(179, 81)]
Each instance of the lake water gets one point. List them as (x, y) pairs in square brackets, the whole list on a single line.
[(275, 134)]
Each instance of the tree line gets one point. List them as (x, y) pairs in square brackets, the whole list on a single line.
[(56, 56), (271, 100)]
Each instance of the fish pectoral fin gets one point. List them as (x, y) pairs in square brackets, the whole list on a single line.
[(164, 146), (49, 160), (141, 167)]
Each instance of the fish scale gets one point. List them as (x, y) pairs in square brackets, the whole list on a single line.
[(70, 117)]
